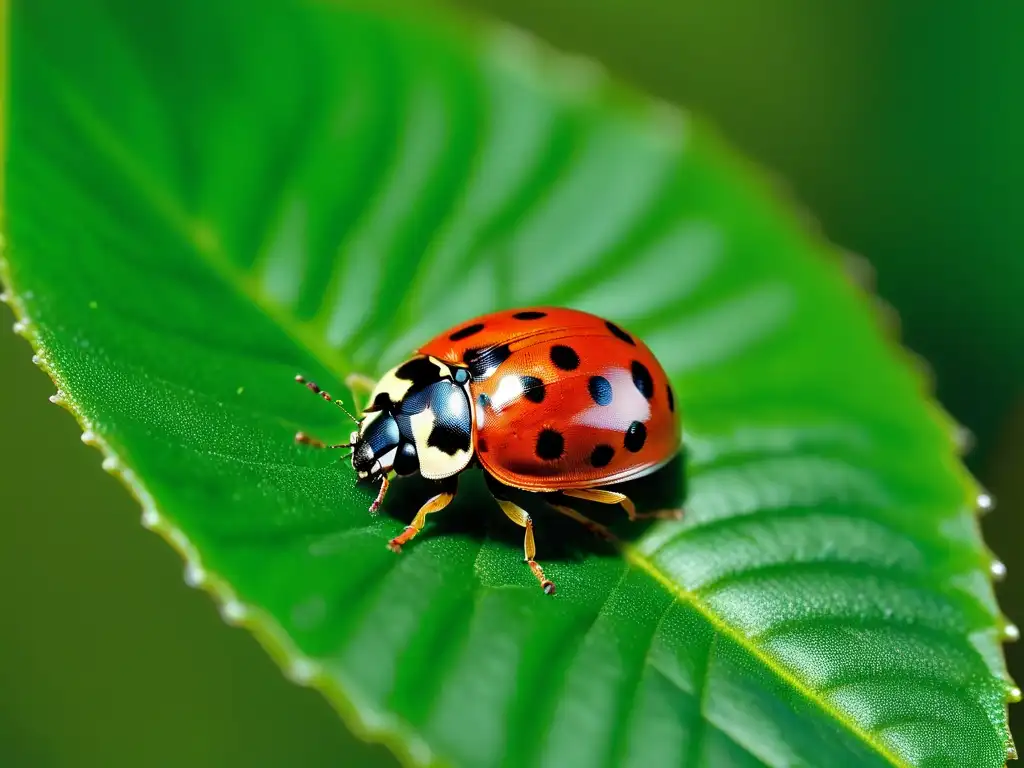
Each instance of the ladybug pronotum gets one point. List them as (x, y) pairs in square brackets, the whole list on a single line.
[(544, 399)]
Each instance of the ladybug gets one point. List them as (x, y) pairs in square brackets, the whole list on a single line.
[(547, 400)]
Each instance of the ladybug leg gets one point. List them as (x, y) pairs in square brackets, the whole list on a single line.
[(591, 525), (434, 504), (385, 483), (611, 497), (520, 516)]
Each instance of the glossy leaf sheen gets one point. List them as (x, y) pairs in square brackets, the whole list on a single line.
[(204, 199)]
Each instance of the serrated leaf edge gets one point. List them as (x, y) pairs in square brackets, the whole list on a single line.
[(577, 76)]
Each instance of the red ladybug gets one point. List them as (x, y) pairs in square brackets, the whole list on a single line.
[(544, 399)]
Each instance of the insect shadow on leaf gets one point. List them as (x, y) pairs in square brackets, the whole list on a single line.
[(475, 514)]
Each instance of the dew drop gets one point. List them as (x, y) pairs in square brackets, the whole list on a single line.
[(301, 671), (37, 359), (194, 574), (997, 569), (1011, 752), (89, 437), (1010, 633), (233, 612), (1013, 694), (20, 327), (985, 502), (963, 438), (109, 464), (57, 398), (150, 518), (5, 297)]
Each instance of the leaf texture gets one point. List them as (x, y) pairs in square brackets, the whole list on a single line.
[(203, 199)]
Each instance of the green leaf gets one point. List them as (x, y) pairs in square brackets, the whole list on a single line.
[(204, 199)]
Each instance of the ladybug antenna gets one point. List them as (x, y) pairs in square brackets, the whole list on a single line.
[(303, 439), (312, 387)]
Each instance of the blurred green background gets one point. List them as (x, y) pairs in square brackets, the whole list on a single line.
[(899, 125)]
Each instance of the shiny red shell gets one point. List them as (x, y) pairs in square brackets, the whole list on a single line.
[(562, 399)]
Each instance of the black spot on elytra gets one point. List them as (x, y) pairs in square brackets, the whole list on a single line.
[(533, 388), (600, 390), (481, 445), (529, 315), (642, 379), (419, 370), (448, 438), (636, 436), (483, 362), (616, 331), (601, 456), (564, 357), (550, 445), (465, 333), (671, 399)]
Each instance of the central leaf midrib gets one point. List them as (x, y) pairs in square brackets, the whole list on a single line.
[(203, 239), (636, 559)]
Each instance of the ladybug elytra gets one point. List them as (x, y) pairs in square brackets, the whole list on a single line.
[(548, 400)]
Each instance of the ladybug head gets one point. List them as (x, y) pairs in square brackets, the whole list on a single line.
[(418, 420), (378, 447)]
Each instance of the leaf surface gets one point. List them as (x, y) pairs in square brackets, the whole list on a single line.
[(202, 200)]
